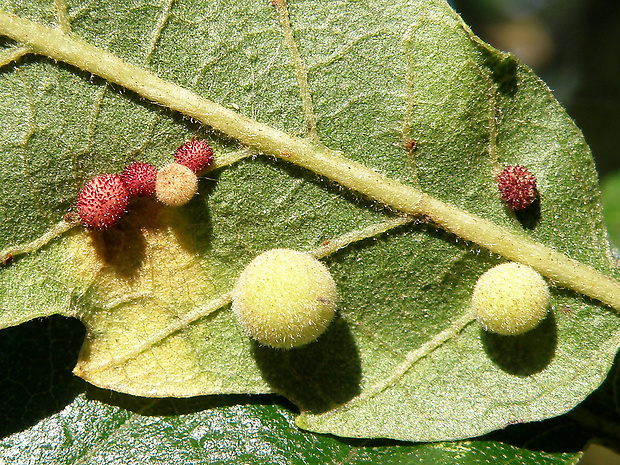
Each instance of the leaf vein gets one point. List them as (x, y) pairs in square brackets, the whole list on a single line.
[(164, 16), (412, 357), (301, 73)]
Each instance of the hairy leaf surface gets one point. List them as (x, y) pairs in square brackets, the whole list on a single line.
[(403, 360)]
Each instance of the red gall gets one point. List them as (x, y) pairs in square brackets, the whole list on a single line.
[(139, 179), (517, 187), (195, 154), (102, 201)]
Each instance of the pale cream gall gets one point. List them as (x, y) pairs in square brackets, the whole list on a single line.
[(175, 185), (285, 298), (510, 299)]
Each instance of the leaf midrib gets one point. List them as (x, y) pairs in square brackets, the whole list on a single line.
[(321, 160)]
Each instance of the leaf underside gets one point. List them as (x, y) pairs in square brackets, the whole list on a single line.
[(379, 76)]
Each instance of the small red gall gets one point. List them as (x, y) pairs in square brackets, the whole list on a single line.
[(517, 186), (139, 179), (102, 201), (195, 154)]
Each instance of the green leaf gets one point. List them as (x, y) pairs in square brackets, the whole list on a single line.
[(247, 432), (404, 360), (610, 191)]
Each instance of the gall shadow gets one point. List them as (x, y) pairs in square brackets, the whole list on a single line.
[(191, 224), (316, 377), (124, 247), (530, 217), (568, 432), (525, 354), (121, 247), (36, 362)]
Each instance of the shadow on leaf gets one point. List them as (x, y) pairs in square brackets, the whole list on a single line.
[(530, 217), (318, 376), (122, 247), (504, 68), (36, 359), (125, 247), (167, 406), (525, 354)]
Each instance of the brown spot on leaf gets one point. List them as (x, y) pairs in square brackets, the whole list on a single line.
[(71, 217), (411, 145)]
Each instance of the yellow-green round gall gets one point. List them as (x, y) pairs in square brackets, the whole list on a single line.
[(285, 298), (510, 299), (175, 185)]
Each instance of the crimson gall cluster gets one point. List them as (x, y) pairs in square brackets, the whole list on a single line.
[(103, 201)]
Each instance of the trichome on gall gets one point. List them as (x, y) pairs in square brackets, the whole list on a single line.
[(285, 298), (517, 186), (510, 299), (175, 185), (104, 199)]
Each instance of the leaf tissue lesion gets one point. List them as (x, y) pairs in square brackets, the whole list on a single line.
[(140, 278), (504, 67)]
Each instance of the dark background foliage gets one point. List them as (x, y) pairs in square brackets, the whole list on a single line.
[(574, 46)]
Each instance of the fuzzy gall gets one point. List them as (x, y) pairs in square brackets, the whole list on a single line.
[(196, 154), (517, 187), (102, 201), (139, 179), (285, 298), (176, 184), (510, 299)]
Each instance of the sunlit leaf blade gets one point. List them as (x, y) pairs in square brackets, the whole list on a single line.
[(48, 417), (404, 359)]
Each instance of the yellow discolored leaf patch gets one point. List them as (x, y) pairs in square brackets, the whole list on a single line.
[(141, 278)]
